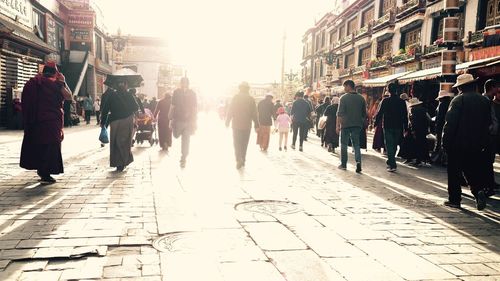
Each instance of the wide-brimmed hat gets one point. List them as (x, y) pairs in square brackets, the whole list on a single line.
[(244, 86), (404, 96), (464, 79), (133, 78), (415, 101), (444, 94)]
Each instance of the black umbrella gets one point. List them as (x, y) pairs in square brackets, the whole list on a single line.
[(133, 78)]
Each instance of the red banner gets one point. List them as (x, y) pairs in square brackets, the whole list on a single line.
[(484, 53)]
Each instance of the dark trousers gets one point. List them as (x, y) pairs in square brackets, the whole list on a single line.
[(468, 164), (87, 116), (421, 150), (98, 116), (488, 161), (392, 139), (301, 129), (240, 141)]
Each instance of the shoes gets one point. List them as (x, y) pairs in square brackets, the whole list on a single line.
[(292, 146), (239, 165), (407, 161), (280, 149), (120, 168), (342, 167), (452, 205), (490, 192), (330, 148), (300, 149), (47, 180), (391, 169), (358, 168), (285, 148), (183, 163), (480, 200)]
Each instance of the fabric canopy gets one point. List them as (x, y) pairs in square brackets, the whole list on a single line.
[(432, 73), (383, 81)]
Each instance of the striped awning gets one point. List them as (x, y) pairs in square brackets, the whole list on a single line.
[(384, 80)]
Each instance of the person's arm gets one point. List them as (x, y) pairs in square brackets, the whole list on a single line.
[(229, 113), (405, 116), (105, 108), (451, 124), (380, 113), (255, 117)]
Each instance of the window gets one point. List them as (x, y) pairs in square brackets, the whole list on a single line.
[(437, 28), (323, 38), (349, 61), (352, 25), (367, 16), (493, 12), (333, 37), (342, 32), (318, 40), (39, 23), (387, 5), (384, 48), (364, 55), (411, 37), (98, 47)]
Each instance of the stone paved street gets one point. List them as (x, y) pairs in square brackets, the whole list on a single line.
[(285, 216)]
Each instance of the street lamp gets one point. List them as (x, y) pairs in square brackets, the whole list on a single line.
[(291, 77), (330, 58)]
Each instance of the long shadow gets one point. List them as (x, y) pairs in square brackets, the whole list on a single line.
[(399, 189)]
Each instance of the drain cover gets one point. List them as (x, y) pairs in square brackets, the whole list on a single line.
[(178, 242), (269, 207)]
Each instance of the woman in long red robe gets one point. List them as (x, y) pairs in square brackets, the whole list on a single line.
[(161, 114), (42, 102)]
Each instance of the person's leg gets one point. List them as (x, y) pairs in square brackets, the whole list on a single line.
[(354, 134), (237, 145), (390, 143), (244, 145), (266, 135), (259, 137), (286, 139), (304, 128), (454, 178), (185, 139), (98, 117), (344, 141), (281, 139), (295, 128)]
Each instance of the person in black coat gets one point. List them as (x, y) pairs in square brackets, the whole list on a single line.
[(331, 138), (419, 120), (444, 98), (320, 110)]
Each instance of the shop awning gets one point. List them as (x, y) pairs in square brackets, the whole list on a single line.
[(484, 62), (383, 81), (432, 73), (24, 35)]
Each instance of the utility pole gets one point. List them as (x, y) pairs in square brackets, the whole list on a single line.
[(283, 67)]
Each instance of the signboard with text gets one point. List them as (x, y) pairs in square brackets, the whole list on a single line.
[(76, 4), (51, 31), (21, 10), (81, 35), (81, 19)]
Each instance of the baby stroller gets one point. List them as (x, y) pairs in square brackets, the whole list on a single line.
[(145, 128)]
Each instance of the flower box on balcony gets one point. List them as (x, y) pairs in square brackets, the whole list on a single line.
[(475, 38), (358, 69), (403, 58), (344, 72), (379, 64), (409, 7), (362, 31), (346, 39), (387, 19), (433, 50)]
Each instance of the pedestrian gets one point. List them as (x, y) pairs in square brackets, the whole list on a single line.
[(97, 110), (242, 111), (121, 106), (88, 107), (152, 104), (465, 139), (183, 116), (265, 109), (331, 137), (378, 137), (282, 124), (444, 98), (161, 115), (301, 114), (490, 90), (310, 121), (277, 106), (394, 115), (351, 117), (42, 107), (420, 121), (320, 111)]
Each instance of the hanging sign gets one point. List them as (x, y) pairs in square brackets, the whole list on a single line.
[(20, 10)]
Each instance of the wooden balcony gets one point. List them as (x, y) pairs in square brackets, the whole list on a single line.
[(365, 30), (409, 8), (384, 21), (358, 69), (347, 39), (475, 39), (432, 50), (380, 64), (345, 72)]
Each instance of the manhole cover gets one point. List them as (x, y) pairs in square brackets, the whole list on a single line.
[(178, 242), (413, 202), (269, 207)]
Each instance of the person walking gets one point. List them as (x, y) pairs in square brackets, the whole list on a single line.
[(301, 113), (331, 137), (419, 120), (310, 120), (282, 124), (97, 110), (394, 115), (320, 111), (490, 90), (121, 106), (351, 117), (161, 115), (444, 98), (466, 139), (42, 108), (378, 136), (183, 113), (277, 106), (266, 112), (88, 107), (241, 113)]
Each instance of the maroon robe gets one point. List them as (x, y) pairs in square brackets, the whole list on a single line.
[(43, 115), (164, 130)]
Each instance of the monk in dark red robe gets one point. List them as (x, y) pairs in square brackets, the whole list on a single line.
[(42, 102)]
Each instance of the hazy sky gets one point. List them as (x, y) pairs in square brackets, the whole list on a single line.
[(221, 41)]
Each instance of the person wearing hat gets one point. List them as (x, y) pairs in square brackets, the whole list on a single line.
[(419, 121), (466, 139), (42, 108), (444, 98), (265, 109), (394, 117), (241, 113), (331, 137)]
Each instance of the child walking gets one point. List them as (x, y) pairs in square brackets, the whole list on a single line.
[(282, 125)]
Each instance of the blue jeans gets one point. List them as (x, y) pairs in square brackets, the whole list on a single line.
[(351, 133)]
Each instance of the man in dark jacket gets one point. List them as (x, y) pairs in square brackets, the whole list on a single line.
[(465, 139), (266, 112), (444, 98), (490, 89), (242, 111), (301, 112), (394, 114)]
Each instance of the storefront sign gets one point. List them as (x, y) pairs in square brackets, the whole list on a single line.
[(381, 73), (484, 53), (76, 4), (80, 19), (18, 9), (411, 66), (431, 63), (81, 35), (399, 69), (51, 31)]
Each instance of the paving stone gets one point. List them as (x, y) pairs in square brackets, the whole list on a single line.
[(250, 271), (14, 254), (303, 266), (477, 269), (405, 263), (151, 270), (40, 276), (273, 236), (362, 268)]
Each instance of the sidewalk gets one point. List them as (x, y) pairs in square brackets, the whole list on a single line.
[(285, 216)]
